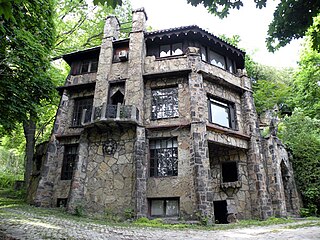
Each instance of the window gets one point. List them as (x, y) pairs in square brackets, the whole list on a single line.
[(217, 59), (163, 157), (81, 104), (164, 207), (229, 172), (69, 158), (222, 113), (164, 103), (62, 202), (87, 66), (171, 50)]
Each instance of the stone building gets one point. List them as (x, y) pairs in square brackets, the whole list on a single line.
[(163, 123)]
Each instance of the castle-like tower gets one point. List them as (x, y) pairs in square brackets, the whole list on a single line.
[(162, 123)]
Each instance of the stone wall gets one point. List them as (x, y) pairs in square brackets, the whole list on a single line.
[(109, 180), (180, 186), (235, 193)]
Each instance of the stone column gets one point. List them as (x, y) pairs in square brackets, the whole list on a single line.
[(141, 173), (77, 188), (260, 198), (137, 51), (199, 151), (111, 33), (134, 96)]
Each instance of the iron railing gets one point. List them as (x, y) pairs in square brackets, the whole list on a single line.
[(111, 112)]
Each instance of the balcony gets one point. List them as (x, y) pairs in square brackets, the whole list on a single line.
[(110, 115)]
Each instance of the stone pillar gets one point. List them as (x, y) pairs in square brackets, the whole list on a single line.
[(78, 183), (134, 96), (111, 33), (137, 52), (141, 173), (260, 198), (199, 151)]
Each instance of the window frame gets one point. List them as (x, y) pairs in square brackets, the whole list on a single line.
[(165, 199), (171, 54), (154, 156), (78, 110), (68, 165), (231, 111), (175, 111), (77, 67)]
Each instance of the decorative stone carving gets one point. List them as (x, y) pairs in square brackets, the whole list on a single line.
[(109, 147)]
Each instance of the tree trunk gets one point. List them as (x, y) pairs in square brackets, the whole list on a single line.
[(29, 128)]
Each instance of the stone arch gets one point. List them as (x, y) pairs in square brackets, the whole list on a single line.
[(117, 97)]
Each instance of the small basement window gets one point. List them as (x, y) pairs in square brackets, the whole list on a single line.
[(166, 207), (62, 202), (229, 172)]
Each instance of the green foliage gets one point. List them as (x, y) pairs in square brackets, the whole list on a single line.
[(129, 213), (307, 83), (291, 18), (302, 135), (80, 23), (314, 33), (25, 44), (79, 210)]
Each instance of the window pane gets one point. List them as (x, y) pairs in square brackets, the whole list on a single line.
[(177, 49), (203, 53), (163, 157), (164, 103), (220, 115), (94, 66), (79, 106), (172, 208), (157, 208), (70, 154), (230, 65), (85, 67), (164, 50), (216, 59)]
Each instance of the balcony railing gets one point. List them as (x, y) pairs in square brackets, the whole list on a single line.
[(111, 113)]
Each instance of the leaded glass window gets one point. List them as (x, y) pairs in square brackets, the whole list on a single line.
[(80, 104), (163, 157), (69, 158), (164, 103)]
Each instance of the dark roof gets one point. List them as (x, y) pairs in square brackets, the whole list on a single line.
[(196, 30), (90, 52)]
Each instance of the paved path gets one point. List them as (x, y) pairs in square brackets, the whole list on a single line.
[(18, 224)]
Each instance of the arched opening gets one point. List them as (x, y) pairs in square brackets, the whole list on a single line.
[(117, 97)]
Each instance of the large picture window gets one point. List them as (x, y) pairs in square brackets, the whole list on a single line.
[(163, 157), (80, 104), (222, 113), (69, 158), (164, 103), (164, 207)]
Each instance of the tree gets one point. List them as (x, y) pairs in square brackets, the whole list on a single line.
[(25, 45), (302, 136), (291, 19)]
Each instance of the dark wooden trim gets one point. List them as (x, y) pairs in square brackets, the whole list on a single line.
[(177, 73), (76, 87)]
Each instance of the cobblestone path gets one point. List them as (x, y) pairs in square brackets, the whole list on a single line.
[(18, 224)]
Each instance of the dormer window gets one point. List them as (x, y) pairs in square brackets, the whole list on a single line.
[(85, 66), (171, 50)]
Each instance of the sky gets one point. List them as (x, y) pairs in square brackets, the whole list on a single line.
[(250, 23)]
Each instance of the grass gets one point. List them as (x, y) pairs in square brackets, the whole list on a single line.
[(14, 200)]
